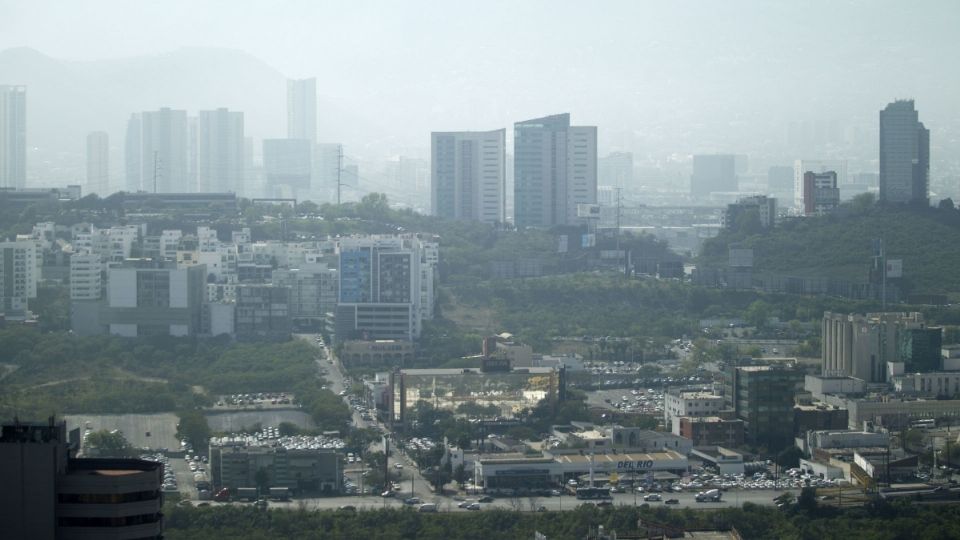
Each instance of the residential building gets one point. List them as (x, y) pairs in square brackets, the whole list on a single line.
[(86, 276), (818, 166), (904, 155), (163, 152), (468, 175), (49, 494), (302, 109), (13, 136), (763, 397), (680, 402), (713, 173), (18, 278), (98, 163), (133, 162), (555, 170), (220, 151), (820, 193), (263, 312), (765, 209)]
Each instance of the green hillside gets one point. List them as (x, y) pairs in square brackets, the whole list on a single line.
[(839, 245)]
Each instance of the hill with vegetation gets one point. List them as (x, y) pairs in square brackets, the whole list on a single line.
[(841, 245)]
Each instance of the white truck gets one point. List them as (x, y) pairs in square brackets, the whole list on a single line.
[(711, 495)]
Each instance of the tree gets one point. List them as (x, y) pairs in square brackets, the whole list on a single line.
[(105, 443), (789, 458), (757, 314), (193, 427), (460, 474), (262, 478), (946, 204)]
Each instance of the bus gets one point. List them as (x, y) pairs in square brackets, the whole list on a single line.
[(593, 493), (926, 423)]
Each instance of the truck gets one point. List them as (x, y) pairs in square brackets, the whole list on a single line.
[(280, 493), (248, 494), (711, 495)]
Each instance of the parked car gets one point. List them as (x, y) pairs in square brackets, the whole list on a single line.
[(671, 501), (653, 497), (388, 493), (485, 499), (472, 506)]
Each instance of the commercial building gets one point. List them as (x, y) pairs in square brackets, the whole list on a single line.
[(377, 353), (555, 170), (862, 346), (521, 474), (98, 163), (458, 390), (302, 109), (821, 193), (220, 152), (819, 416), (163, 152), (468, 175), (385, 287), (680, 402), (930, 384), (287, 463), (13, 136), (898, 412), (313, 292), (713, 173), (146, 297), (711, 431), (48, 494), (263, 312), (904, 155), (18, 278), (763, 397)]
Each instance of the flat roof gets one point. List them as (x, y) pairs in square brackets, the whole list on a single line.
[(668, 455), (473, 370)]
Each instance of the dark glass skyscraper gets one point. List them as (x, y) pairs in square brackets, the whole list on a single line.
[(904, 155)]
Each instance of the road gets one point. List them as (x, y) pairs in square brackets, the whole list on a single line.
[(446, 504)]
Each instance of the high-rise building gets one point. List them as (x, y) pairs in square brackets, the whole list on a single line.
[(863, 346), (904, 155), (713, 173), (50, 494), (13, 136), (821, 194), (163, 152), (18, 277), (381, 288), (763, 397), (220, 151), (780, 183), (133, 164), (468, 179), (802, 166), (302, 109), (616, 170), (98, 163), (287, 166), (555, 170)]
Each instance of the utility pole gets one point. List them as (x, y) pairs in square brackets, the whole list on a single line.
[(156, 169)]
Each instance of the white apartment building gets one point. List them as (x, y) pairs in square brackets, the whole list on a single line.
[(696, 403), (468, 175), (170, 243), (86, 281)]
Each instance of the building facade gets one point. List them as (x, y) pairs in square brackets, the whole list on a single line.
[(301, 470), (302, 109), (763, 397), (146, 297), (904, 155), (18, 277), (821, 193), (711, 431), (713, 173), (163, 152), (287, 166), (678, 402), (13, 136), (468, 175), (220, 151), (98, 163), (555, 170), (862, 346), (263, 311)]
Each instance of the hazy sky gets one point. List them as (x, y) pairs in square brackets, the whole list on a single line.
[(691, 75)]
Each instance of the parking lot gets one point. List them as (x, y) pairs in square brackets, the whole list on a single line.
[(141, 430)]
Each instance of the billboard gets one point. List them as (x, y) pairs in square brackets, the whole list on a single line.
[(588, 211), (895, 268)]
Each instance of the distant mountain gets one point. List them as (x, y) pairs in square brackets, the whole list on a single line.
[(68, 99)]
